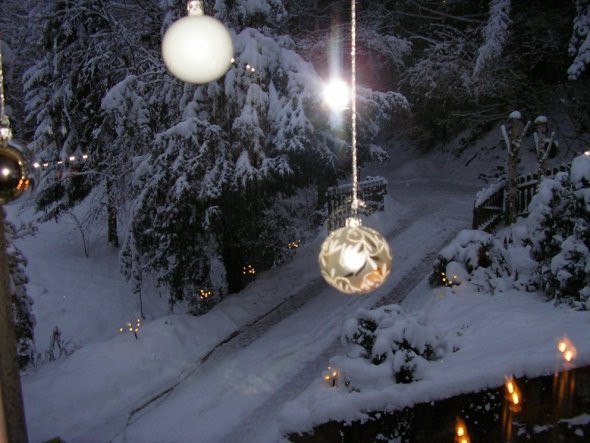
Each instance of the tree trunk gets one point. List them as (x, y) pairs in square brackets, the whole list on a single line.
[(112, 236), (12, 417)]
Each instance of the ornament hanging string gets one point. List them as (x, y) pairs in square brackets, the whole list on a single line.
[(5, 132), (355, 201)]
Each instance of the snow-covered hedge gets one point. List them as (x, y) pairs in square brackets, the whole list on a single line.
[(386, 345), (474, 256), (559, 235)]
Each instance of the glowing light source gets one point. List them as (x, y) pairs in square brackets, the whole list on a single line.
[(337, 94), (567, 349), (132, 328), (513, 395), (331, 376), (204, 294), (197, 48), (461, 435), (294, 244)]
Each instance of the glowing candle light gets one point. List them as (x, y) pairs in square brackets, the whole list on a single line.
[(461, 435)]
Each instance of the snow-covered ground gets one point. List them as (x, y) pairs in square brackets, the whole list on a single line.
[(251, 368)]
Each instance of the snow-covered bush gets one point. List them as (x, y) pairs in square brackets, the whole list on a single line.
[(22, 303), (386, 343), (474, 256), (559, 235)]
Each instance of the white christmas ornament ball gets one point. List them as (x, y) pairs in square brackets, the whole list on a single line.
[(197, 48), (355, 259)]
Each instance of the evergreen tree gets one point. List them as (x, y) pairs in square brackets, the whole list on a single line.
[(86, 49), (579, 46), (559, 235), (240, 161), (23, 318)]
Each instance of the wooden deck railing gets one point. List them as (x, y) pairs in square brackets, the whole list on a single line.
[(489, 211)]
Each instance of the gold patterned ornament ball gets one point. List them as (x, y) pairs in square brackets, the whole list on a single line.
[(355, 259), (16, 172)]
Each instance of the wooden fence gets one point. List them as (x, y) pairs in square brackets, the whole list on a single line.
[(371, 191), (491, 210)]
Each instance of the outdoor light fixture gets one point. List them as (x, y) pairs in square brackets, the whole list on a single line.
[(355, 259), (197, 48)]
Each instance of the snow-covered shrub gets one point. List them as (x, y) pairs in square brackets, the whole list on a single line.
[(550, 219), (559, 235), (399, 344), (472, 256), (22, 304)]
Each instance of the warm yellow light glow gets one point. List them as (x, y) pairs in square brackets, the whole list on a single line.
[(567, 349), (510, 387), (72, 158), (515, 398), (461, 435)]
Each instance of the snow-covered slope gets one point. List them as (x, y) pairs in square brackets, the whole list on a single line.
[(225, 376)]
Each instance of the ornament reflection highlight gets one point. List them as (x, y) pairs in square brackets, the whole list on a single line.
[(355, 259), (16, 172)]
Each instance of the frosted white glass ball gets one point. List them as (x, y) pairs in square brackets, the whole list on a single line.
[(197, 49), (355, 259)]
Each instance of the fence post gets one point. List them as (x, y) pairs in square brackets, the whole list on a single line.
[(513, 143), (543, 145)]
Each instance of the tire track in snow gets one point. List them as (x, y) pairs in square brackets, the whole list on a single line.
[(410, 276), (251, 428), (244, 336), (248, 333)]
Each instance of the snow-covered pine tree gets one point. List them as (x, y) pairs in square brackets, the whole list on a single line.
[(238, 163), (86, 48), (495, 34), (579, 46), (22, 303), (559, 234)]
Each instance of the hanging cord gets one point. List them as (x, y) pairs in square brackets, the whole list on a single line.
[(5, 132), (355, 201)]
